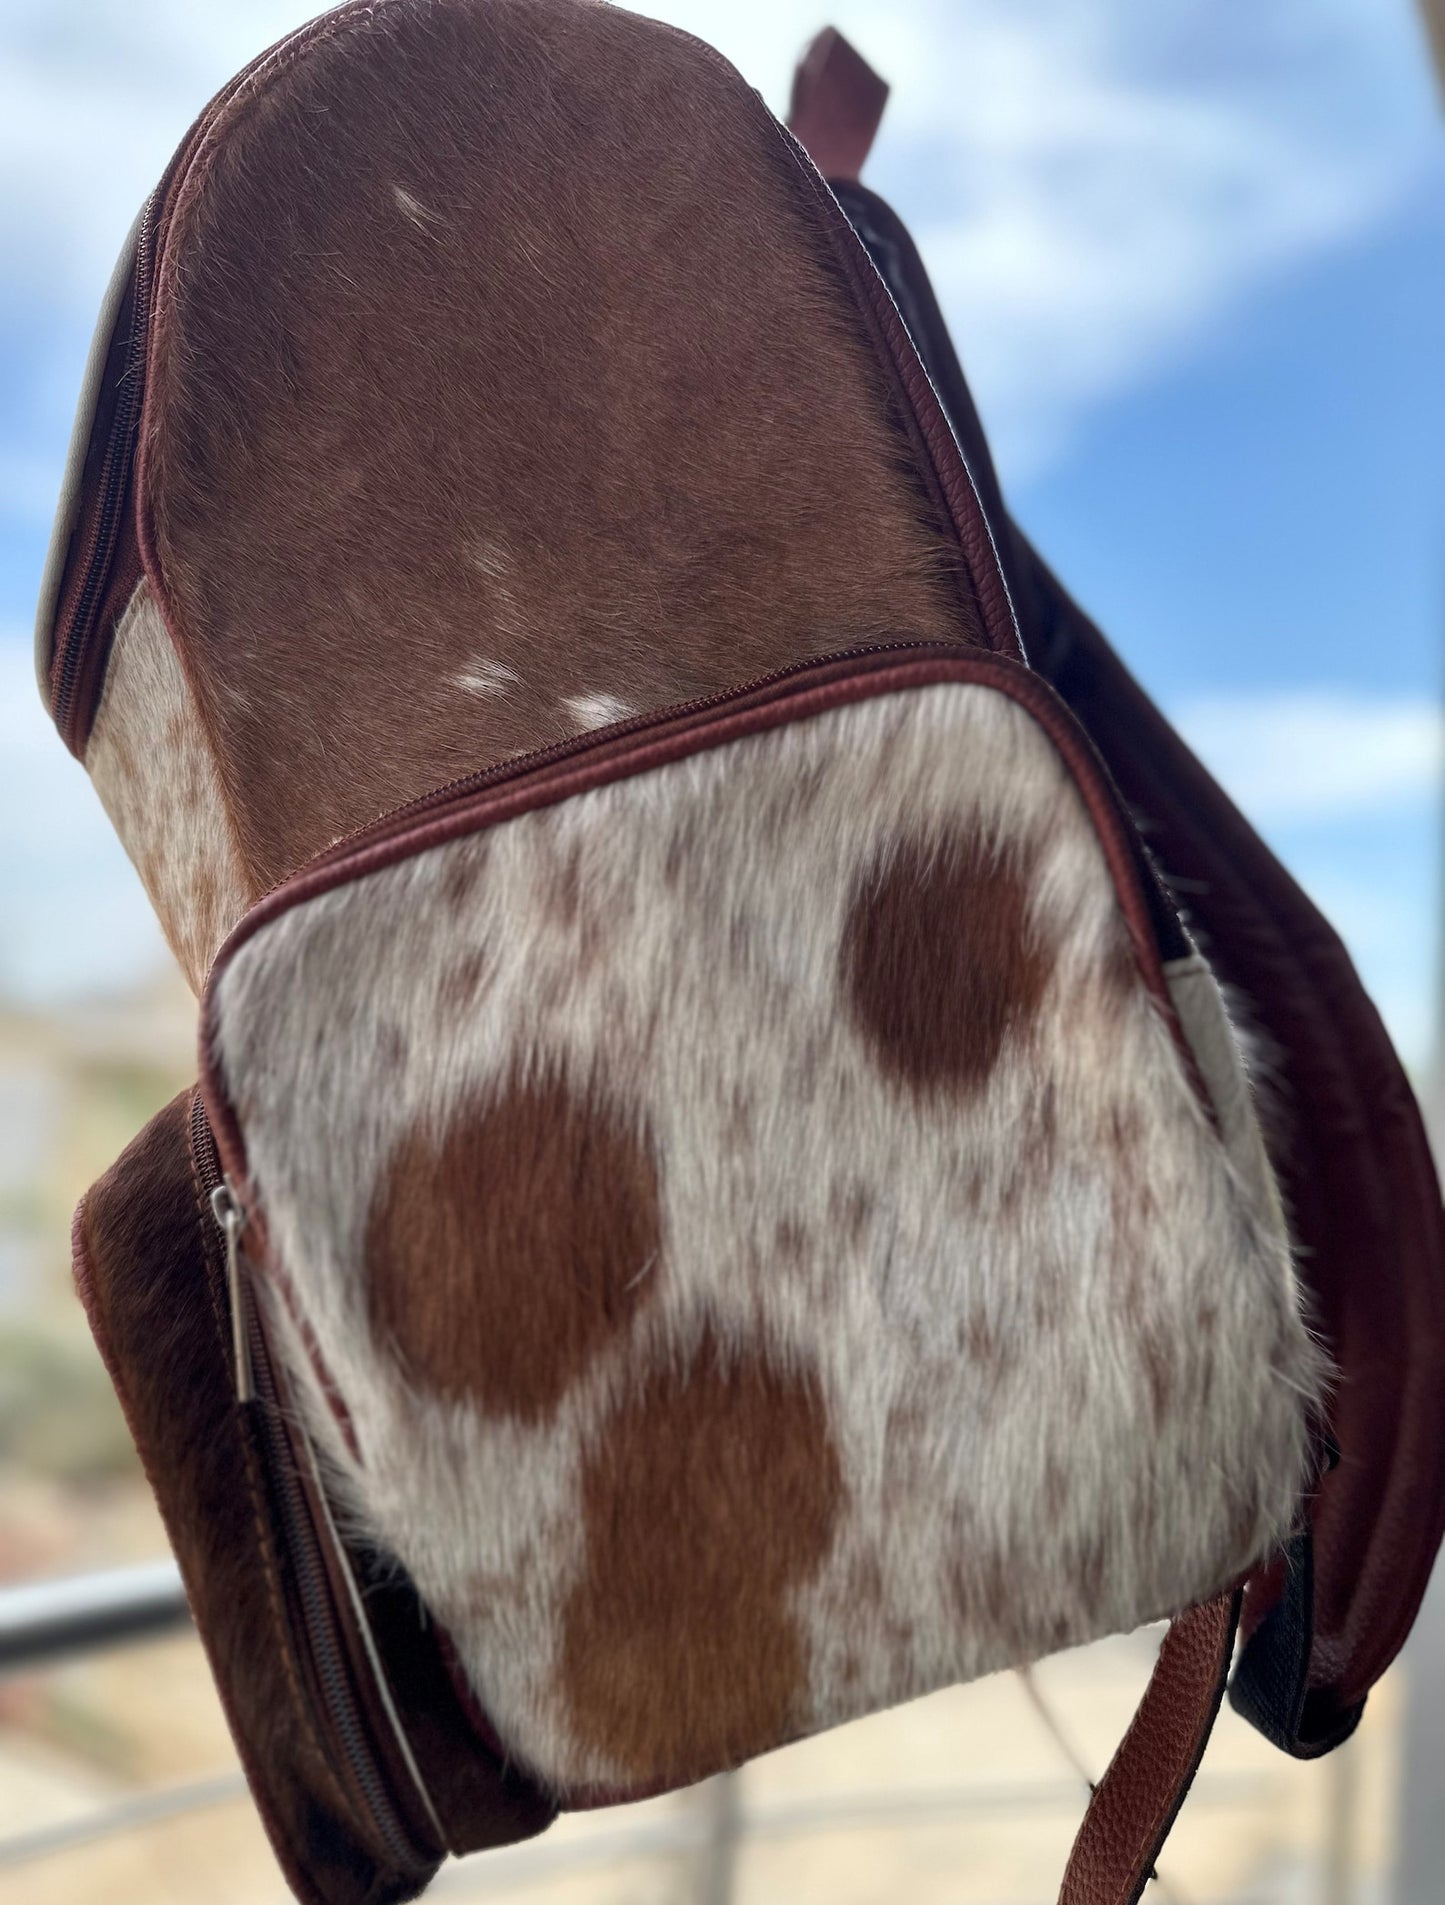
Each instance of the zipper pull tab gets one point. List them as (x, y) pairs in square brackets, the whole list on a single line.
[(230, 1214)]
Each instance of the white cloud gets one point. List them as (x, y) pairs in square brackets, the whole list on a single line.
[(1391, 930), (1318, 755), (1097, 188)]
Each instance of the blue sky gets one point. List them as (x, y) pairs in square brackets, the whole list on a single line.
[(1192, 256)]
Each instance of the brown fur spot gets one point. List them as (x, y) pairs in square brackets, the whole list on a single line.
[(980, 1340), (984, 1593), (391, 1044), (1092, 1575), (742, 1121), (709, 1498), (1056, 1487), (506, 1252), (792, 1241), (462, 986), (939, 961), (562, 892), (858, 1211), (461, 881), (1158, 1367)]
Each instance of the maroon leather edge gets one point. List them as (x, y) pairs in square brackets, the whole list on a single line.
[(133, 559), (934, 442)]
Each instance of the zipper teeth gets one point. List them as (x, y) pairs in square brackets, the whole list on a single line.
[(520, 764), (393, 824), (308, 1570), (326, 1650), (116, 479)]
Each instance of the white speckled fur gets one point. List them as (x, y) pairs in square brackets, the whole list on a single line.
[(723, 977), (154, 770)]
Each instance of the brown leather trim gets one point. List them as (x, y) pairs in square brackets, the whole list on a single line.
[(130, 560), (935, 447), (125, 565), (1136, 1802), (908, 334)]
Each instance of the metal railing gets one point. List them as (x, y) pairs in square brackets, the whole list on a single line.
[(47, 1623)]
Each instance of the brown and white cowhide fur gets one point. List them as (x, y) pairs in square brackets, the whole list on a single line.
[(154, 767), (505, 380), (767, 1248)]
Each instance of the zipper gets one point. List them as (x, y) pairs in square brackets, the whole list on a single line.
[(230, 1213), (518, 765), (413, 826), (299, 1541), (114, 484), (399, 824)]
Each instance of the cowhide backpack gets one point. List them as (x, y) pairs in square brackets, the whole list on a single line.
[(721, 1194)]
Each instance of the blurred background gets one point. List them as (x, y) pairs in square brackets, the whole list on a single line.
[(1192, 259)]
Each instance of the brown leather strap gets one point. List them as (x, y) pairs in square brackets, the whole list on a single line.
[(1136, 1801), (837, 105)]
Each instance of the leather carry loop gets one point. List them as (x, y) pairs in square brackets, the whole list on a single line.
[(837, 105), (1136, 1802)]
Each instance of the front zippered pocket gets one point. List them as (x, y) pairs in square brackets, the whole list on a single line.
[(659, 1140)]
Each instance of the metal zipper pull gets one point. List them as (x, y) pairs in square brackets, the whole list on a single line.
[(230, 1214)]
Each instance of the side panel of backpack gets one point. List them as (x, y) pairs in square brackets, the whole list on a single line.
[(1346, 1137), (149, 1270)]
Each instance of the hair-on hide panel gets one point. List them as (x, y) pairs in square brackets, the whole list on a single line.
[(766, 1241), (544, 399), (154, 769)]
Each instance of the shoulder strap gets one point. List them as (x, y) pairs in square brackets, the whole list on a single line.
[(1136, 1802)]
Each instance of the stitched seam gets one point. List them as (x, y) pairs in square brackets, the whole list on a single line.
[(1148, 1850)]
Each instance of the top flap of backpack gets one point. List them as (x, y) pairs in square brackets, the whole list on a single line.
[(502, 368)]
